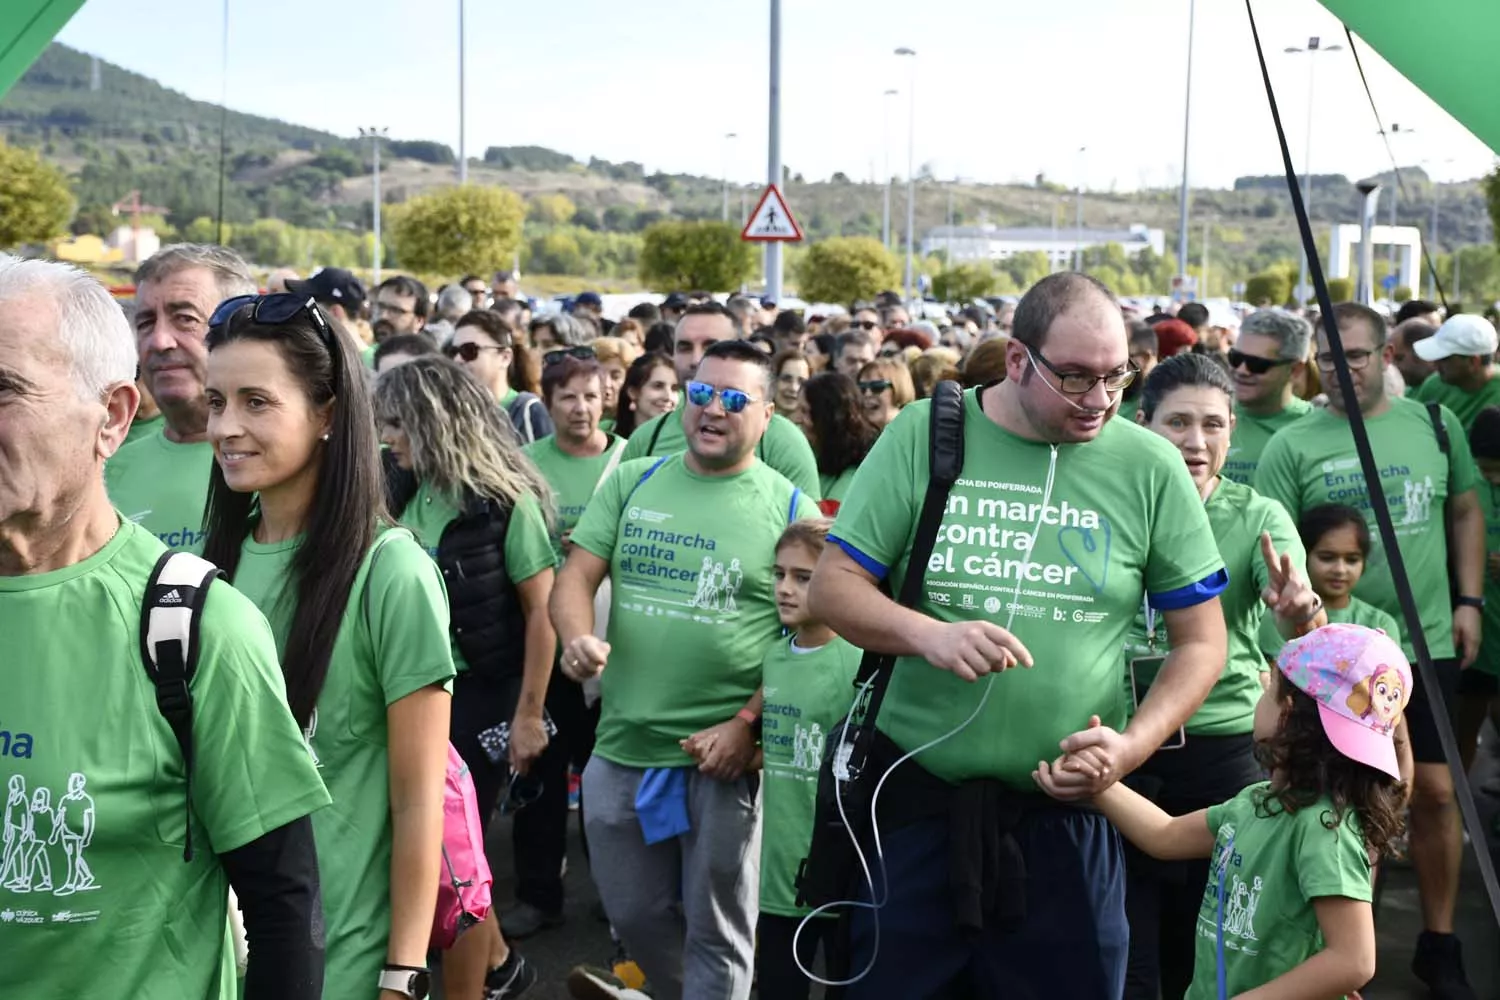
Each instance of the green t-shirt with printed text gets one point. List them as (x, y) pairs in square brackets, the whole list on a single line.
[(163, 487), (573, 480), (95, 898), (807, 692), (1251, 435), (1465, 405), (1122, 518), (1238, 515), (692, 604), (1356, 612), (528, 545), (1313, 462), (783, 447), (393, 641), (1274, 864)]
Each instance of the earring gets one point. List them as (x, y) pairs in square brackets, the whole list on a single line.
[(325, 437)]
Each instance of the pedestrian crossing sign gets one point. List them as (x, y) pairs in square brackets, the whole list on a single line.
[(772, 221)]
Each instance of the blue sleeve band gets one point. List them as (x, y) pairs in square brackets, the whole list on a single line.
[(1193, 594), (869, 565)]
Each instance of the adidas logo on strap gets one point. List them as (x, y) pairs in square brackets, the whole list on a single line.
[(171, 597)]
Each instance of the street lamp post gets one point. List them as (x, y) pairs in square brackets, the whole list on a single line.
[(885, 216), (911, 169), (375, 134), (463, 156), (1313, 48), (1187, 109), (1396, 131), (1078, 217), (773, 149), (729, 138)]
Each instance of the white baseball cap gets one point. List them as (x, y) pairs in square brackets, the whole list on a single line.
[(1464, 335)]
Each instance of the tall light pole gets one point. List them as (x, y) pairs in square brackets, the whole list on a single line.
[(1187, 110), (375, 134), (773, 148), (1313, 48), (1078, 218), (462, 120), (911, 168), (1432, 228), (885, 142), (729, 138), (1396, 131)]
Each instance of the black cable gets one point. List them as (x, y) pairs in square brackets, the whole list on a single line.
[(1395, 169), (1371, 471), (223, 129)]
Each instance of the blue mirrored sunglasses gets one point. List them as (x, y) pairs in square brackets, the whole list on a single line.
[(733, 400)]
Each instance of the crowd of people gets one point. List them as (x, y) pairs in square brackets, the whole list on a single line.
[(630, 566)]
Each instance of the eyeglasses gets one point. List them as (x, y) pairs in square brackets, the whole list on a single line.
[(733, 400), (523, 792), (583, 352), (875, 387), (1253, 364), (864, 324), (1080, 383), (470, 351), (1358, 360)]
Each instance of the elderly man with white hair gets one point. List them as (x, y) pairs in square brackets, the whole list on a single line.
[(134, 901)]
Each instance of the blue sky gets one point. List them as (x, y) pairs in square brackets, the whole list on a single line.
[(1004, 89)]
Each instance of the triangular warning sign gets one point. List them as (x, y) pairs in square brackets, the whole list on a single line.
[(772, 220)]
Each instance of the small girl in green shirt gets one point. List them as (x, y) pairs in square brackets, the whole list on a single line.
[(1287, 909)]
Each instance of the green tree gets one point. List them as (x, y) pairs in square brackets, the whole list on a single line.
[(35, 203), (1401, 294), (1026, 268), (1339, 289), (1267, 288), (846, 268), (556, 252), (706, 255), (458, 230), (963, 282), (1491, 187), (551, 210), (203, 230)]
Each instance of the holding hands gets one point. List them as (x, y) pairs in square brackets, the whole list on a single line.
[(1092, 761), (724, 752)]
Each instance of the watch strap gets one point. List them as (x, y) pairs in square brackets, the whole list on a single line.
[(404, 980), (1465, 601)]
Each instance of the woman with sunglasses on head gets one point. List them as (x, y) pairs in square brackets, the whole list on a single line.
[(831, 415), (480, 509), (1188, 400), (884, 387), (296, 519), (487, 346), (650, 389)]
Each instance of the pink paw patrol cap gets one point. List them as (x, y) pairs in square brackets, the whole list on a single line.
[(1361, 682)]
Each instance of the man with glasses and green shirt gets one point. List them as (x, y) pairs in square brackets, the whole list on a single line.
[(783, 447), (1433, 499), (1463, 352), (1266, 359), (161, 481)]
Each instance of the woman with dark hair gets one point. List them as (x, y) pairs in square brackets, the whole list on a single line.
[(487, 346), (296, 519), (480, 508), (1189, 400), (832, 416), (790, 369), (819, 349), (650, 389)]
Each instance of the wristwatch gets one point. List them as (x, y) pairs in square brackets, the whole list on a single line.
[(1464, 601), (407, 980)]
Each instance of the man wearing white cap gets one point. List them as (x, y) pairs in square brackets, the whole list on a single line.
[(1463, 350)]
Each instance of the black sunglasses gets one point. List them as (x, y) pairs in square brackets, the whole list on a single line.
[(583, 352), (274, 310), (470, 351), (1254, 365), (863, 324), (875, 387), (523, 791)]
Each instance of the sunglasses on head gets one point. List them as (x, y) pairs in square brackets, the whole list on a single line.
[(583, 352), (733, 400), (1254, 365), (274, 310), (875, 387), (470, 351)]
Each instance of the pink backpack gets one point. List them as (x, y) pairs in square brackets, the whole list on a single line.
[(463, 898)]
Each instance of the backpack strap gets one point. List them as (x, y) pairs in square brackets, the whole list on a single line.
[(645, 476), (791, 509), (655, 434), (1440, 429), (614, 461), (171, 616)]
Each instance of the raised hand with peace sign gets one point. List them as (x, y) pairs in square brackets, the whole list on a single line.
[(1297, 607)]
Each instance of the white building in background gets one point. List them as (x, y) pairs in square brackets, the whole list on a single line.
[(971, 244), (135, 245)]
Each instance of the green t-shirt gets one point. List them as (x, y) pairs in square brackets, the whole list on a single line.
[(1123, 519), (807, 691), (399, 649), (1489, 647), (692, 607), (1356, 612), (142, 428), (1465, 405), (95, 898), (528, 546), (836, 488), (1238, 515), (1278, 863), (163, 487), (1252, 434), (783, 447), (1313, 462), (572, 479), (368, 356), (1129, 408)]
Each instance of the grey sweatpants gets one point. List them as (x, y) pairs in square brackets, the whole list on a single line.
[(685, 908)]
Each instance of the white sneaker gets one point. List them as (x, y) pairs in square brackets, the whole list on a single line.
[(588, 983)]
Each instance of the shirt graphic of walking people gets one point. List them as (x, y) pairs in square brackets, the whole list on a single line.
[(75, 828), (718, 586), (32, 825)]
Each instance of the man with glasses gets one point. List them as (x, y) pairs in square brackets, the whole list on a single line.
[(867, 318), (783, 446), (401, 306), (1061, 524), (1265, 362), (161, 482), (1432, 495), (671, 802)]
